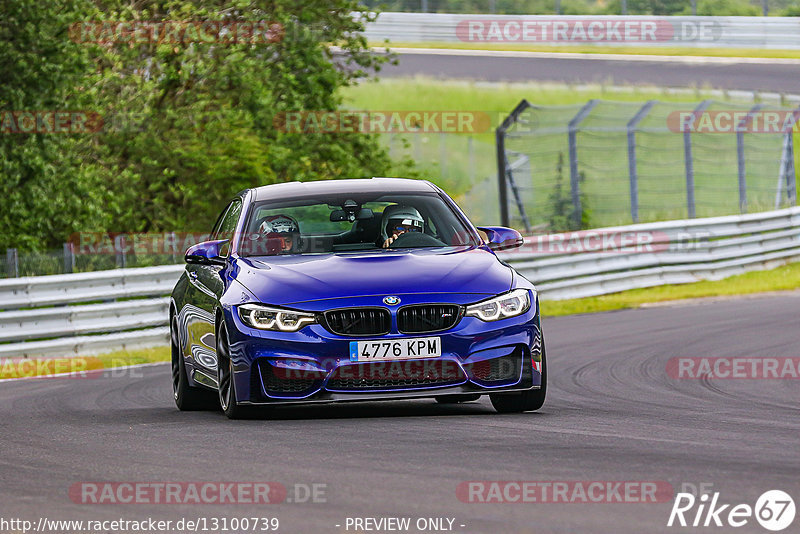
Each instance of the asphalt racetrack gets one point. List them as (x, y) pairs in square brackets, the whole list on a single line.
[(612, 414), (771, 75)]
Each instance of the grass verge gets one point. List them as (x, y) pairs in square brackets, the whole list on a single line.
[(607, 49), (783, 278), (46, 367)]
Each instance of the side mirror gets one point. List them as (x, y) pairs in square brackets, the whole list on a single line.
[(501, 238), (207, 253)]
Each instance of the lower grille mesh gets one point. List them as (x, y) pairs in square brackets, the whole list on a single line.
[(500, 369), (395, 374), (281, 380)]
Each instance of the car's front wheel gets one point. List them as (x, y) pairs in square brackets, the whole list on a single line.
[(227, 384), (524, 401), (187, 398)]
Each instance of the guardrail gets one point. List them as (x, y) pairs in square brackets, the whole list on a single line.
[(70, 314), (729, 32), (647, 255), (82, 314)]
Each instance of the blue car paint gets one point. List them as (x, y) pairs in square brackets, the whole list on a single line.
[(460, 275)]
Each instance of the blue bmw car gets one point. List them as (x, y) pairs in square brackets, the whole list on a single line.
[(353, 290)]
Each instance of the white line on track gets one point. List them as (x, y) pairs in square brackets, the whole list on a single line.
[(697, 60), (95, 371)]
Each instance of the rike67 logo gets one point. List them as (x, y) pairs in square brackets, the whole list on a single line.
[(774, 510)]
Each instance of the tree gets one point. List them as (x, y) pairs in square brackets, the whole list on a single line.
[(186, 123), (48, 187)]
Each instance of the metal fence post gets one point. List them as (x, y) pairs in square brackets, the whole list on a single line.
[(69, 258), (119, 246), (634, 186), (687, 156), (786, 174), (791, 177), (502, 162), (573, 158), (740, 128), (12, 263), (500, 142)]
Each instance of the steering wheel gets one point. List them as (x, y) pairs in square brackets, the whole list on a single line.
[(415, 239)]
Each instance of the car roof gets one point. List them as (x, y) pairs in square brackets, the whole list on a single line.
[(330, 187)]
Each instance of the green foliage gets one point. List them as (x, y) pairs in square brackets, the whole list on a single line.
[(186, 125), (562, 215), (48, 186)]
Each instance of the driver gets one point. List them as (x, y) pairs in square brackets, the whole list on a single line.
[(282, 234), (398, 220)]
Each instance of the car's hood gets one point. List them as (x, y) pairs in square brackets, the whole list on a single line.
[(286, 280)]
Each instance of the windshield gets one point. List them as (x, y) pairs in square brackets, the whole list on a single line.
[(352, 222)]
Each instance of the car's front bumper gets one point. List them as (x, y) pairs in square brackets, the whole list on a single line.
[(313, 365)]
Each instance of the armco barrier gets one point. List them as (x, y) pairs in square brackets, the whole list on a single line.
[(62, 316), (683, 251), (726, 32)]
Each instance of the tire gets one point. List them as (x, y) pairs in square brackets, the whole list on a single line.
[(227, 386), (455, 399), (187, 398), (523, 401)]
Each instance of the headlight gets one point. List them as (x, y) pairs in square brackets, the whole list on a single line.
[(503, 306), (268, 318)]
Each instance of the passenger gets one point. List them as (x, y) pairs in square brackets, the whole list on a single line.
[(282, 234)]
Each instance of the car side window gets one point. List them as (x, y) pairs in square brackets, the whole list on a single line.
[(227, 224)]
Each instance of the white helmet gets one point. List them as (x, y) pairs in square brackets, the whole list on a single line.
[(400, 215)]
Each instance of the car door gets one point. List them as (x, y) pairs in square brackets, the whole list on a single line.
[(206, 288)]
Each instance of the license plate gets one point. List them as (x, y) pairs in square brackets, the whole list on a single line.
[(395, 349)]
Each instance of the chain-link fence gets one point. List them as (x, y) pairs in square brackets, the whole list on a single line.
[(463, 165), (609, 163), (15, 263)]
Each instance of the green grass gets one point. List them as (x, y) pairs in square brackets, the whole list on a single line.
[(783, 278), (448, 160), (428, 93), (51, 366), (606, 49)]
